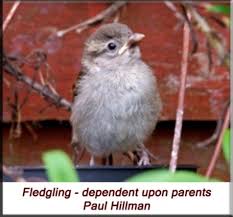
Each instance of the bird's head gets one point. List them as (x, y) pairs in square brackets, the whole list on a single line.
[(111, 45)]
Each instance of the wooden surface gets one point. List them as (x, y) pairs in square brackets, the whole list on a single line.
[(27, 150), (162, 48)]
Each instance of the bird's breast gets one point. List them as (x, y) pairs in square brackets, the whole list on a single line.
[(114, 111)]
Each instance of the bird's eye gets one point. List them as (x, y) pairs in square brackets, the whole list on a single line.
[(112, 46)]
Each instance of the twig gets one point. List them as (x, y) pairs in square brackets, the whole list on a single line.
[(215, 43), (35, 59), (183, 18), (31, 131), (214, 40), (15, 129), (25, 99), (14, 173), (45, 108), (180, 109), (116, 18), (174, 9), (192, 32), (6, 82), (217, 130), (18, 129), (10, 15), (110, 11), (213, 137), (218, 144), (210, 59), (42, 90), (220, 22)]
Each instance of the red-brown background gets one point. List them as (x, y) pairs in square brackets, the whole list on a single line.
[(161, 48)]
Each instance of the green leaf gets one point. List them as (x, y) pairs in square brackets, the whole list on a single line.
[(168, 176), (222, 9), (226, 146), (59, 167)]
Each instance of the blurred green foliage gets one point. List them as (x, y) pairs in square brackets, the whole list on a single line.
[(59, 167), (168, 176), (226, 145), (222, 9)]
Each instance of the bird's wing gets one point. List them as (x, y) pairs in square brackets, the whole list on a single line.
[(78, 149), (75, 85)]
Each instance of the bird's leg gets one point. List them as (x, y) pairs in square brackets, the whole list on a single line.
[(136, 158), (78, 152), (92, 161), (133, 156), (130, 155), (104, 161), (107, 160), (144, 158), (110, 159)]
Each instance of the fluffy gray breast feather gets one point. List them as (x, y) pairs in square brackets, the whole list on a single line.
[(115, 111)]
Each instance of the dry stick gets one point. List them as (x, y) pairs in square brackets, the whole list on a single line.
[(10, 15), (215, 43), (42, 90), (183, 18), (4, 26), (218, 144), (24, 101), (31, 130), (180, 109), (173, 8), (18, 129), (217, 130), (96, 19), (13, 174), (209, 55)]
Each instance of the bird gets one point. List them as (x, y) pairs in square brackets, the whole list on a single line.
[(116, 101)]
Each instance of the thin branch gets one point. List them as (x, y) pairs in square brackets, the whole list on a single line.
[(217, 44), (110, 11), (218, 144), (14, 173), (209, 55), (180, 109), (192, 32), (214, 40), (217, 130), (30, 129), (10, 15), (25, 99), (42, 90), (219, 21), (183, 18), (6, 82), (176, 12)]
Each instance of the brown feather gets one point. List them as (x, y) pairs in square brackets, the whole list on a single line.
[(75, 84)]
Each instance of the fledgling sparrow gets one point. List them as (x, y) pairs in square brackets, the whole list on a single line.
[(116, 100)]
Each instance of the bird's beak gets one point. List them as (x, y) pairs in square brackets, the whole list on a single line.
[(135, 38)]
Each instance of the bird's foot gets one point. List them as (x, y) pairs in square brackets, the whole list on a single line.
[(144, 159), (139, 157), (104, 160), (92, 161)]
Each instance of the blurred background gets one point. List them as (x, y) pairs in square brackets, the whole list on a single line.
[(32, 125)]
